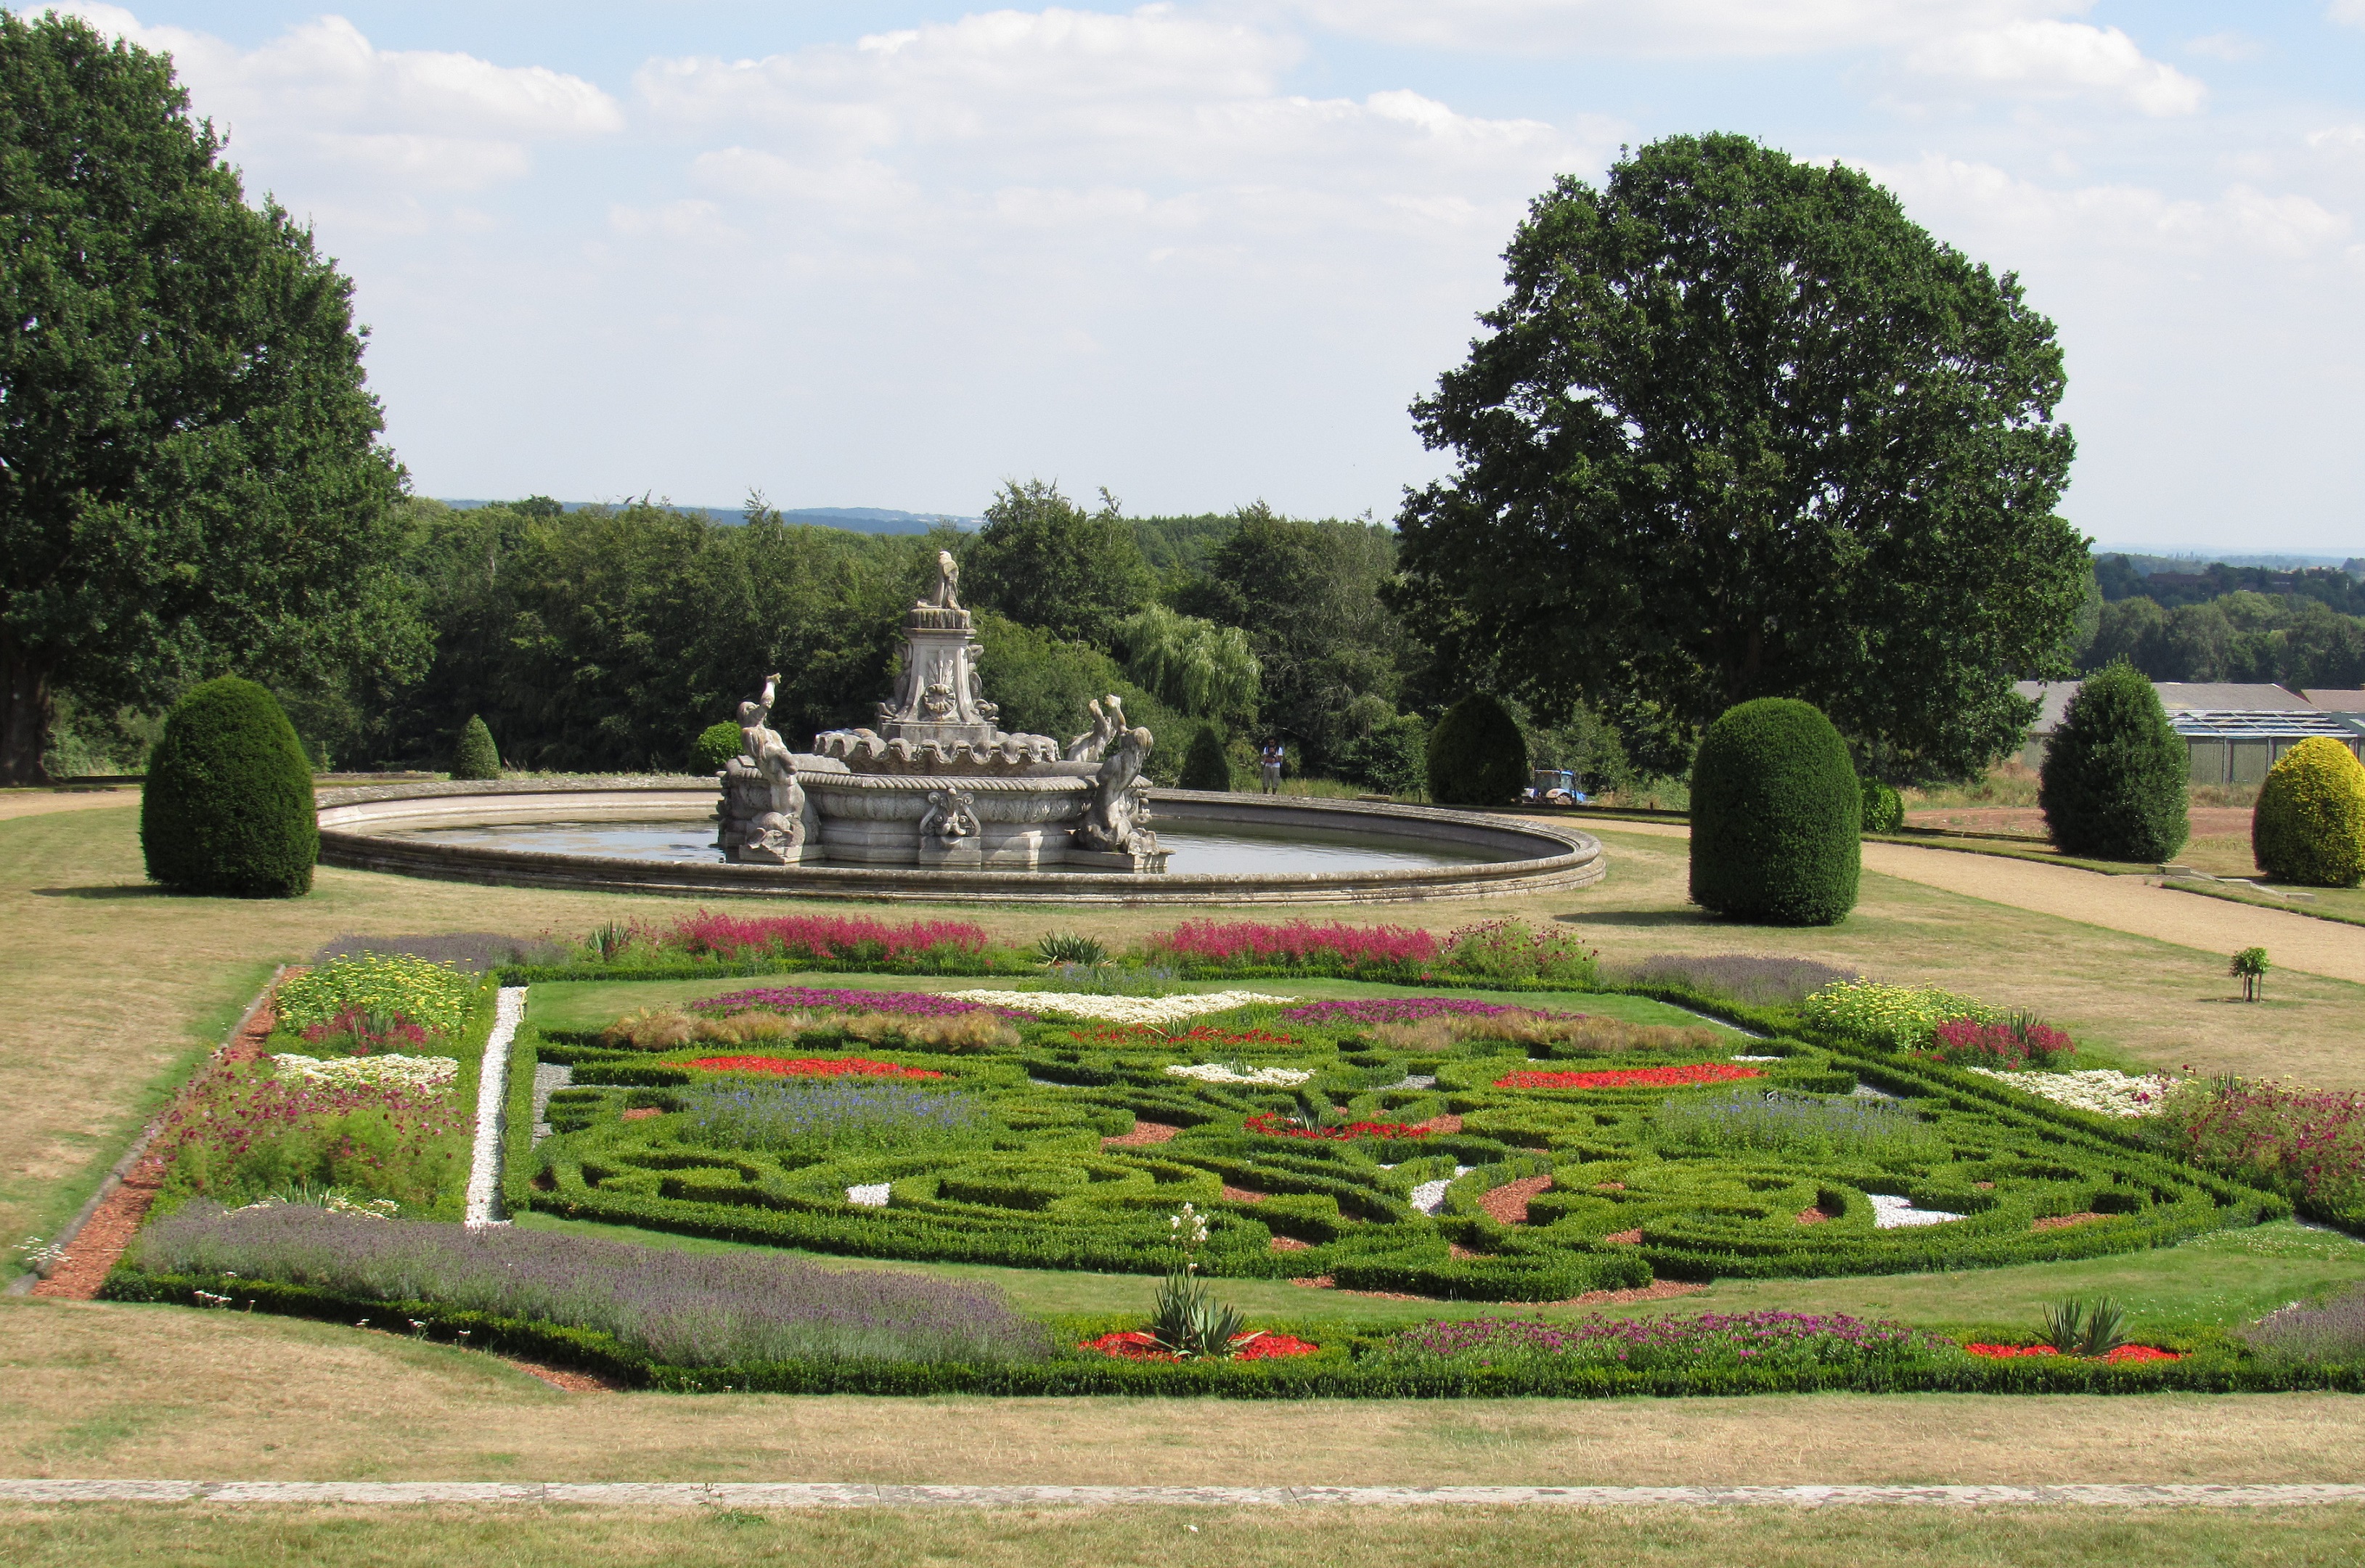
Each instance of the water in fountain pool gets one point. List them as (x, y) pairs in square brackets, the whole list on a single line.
[(1228, 853)]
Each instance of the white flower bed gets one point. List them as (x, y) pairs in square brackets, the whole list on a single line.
[(1892, 1213), (869, 1194), (2096, 1088), (356, 1073), (1216, 1072), (1117, 1009)]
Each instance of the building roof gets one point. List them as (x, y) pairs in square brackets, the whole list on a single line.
[(2051, 697), (2204, 725), (2336, 702), (2215, 697)]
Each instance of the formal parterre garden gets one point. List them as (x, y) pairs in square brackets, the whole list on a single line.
[(1479, 1135)]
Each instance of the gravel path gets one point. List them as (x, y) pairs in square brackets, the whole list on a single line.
[(807, 1494), (2133, 904)]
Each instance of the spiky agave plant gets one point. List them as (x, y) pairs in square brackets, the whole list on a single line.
[(1069, 947)]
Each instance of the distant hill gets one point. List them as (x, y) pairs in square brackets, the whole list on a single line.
[(2146, 560), (856, 519)]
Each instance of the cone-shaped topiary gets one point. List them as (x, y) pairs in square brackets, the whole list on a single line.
[(2309, 825), (475, 757), (1883, 809), (715, 746), (1205, 766), (228, 808), (1777, 816), (2113, 784), (1477, 757)]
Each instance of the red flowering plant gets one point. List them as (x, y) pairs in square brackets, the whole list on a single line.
[(1187, 1325), (2023, 1043), (2096, 1331), (357, 1032)]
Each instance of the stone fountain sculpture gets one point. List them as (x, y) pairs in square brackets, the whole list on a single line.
[(935, 781)]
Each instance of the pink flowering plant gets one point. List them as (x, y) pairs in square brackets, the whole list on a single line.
[(824, 938), (2307, 1144), (244, 1132), (1299, 945)]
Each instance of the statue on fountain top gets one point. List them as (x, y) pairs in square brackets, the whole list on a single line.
[(948, 590)]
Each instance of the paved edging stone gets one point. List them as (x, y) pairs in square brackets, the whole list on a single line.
[(825, 1494)]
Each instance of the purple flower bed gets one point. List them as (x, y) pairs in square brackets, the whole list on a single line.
[(677, 1308), (1405, 1009), (1784, 1338), (813, 999)]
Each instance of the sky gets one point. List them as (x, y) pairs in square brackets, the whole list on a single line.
[(895, 253)]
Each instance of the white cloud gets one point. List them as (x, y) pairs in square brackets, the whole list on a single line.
[(2351, 12), (1998, 211), (1681, 28), (2226, 46), (2060, 60), (321, 93)]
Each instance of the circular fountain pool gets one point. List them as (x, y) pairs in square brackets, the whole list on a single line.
[(656, 835)]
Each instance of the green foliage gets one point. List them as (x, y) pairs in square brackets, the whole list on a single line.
[(195, 479), (1192, 1323), (1514, 951), (1069, 947), (1743, 428), (1901, 1016), (2309, 825), (715, 746), (434, 996), (1776, 828), (475, 757), (228, 808), (1045, 561), (1206, 765), (1884, 808), (2250, 966), (2082, 1328), (2236, 623), (2113, 784), (1796, 1123), (1041, 685), (1196, 667), (1477, 755)]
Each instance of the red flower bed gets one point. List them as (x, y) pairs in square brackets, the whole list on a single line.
[(1138, 1347), (1633, 1077), (811, 1067), (1203, 1035), (2124, 1353), (1270, 1124)]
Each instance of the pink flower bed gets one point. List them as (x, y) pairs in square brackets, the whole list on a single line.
[(1299, 941), (821, 936), (1269, 1123), (1137, 1345), (2124, 1353), (1633, 1077), (811, 1067)]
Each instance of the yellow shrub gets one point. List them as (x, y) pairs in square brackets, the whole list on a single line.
[(2309, 825)]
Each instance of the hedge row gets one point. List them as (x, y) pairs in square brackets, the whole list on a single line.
[(1336, 1373)]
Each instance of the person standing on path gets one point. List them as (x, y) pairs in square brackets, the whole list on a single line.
[(1269, 762)]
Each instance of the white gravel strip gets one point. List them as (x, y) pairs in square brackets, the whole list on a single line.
[(1429, 1196), (1216, 1072), (857, 1494), (492, 1101)]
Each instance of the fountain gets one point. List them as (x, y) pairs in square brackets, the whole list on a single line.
[(937, 784)]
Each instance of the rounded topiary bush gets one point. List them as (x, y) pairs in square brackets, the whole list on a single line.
[(1883, 809), (1477, 755), (2309, 825), (228, 807), (474, 755), (715, 746), (1205, 766), (2113, 786), (1777, 816)]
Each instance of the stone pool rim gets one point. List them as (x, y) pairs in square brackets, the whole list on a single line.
[(1547, 857)]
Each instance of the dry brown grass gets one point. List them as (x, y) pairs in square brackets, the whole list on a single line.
[(97, 1390), (517, 1537)]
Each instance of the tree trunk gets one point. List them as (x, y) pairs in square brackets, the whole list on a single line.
[(25, 712)]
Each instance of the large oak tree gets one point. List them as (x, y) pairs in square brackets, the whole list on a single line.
[(1742, 428), (190, 476)]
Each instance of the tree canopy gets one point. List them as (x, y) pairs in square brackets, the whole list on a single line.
[(1742, 428), (190, 477), (1045, 561)]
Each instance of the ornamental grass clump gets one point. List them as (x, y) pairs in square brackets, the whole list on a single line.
[(1777, 1339), (1902, 1016), (1772, 1121), (2307, 1144), (676, 1308), (437, 997), (808, 1122)]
